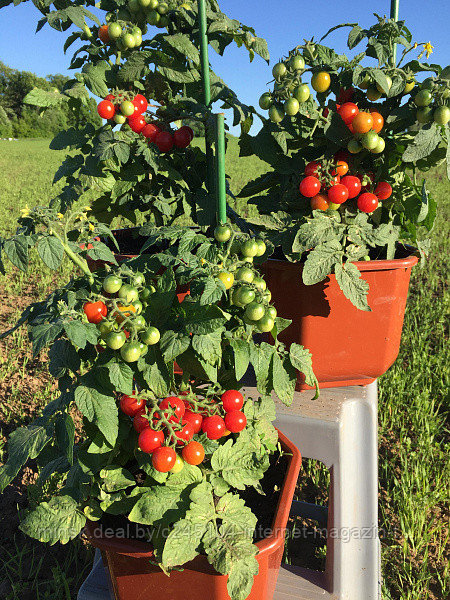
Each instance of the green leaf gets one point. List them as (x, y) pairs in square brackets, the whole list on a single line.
[(44, 98), (204, 320), (316, 231), (236, 463), (426, 140), (183, 45), (65, 435), (320, 262), (56, 521), (99, 409), (284, 378), (209, 346), (302, 360), (178, 76), (115, 479), (100, 251), (94, 77), (63, 357), (351, 283), (44, 334), (76, 332), (241, 350), (121, 377), (51, 251), (260, 358), (174, 343), (160, 503), (23, 444), (16, 249)]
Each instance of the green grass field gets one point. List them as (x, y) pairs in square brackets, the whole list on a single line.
[(414, 468)]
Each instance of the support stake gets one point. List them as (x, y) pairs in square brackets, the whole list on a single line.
[(394, 15), (221, 190)]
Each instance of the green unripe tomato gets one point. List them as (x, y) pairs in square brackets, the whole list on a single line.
[(114, 31), (245, 274), (144, 3), (276, 114), (128, 293), (441, 115), (389, 82), (279, 70), (291, 107), (265, 102), (354, 147), (260, 284), (130, 352), (153, 18), (137, 39), (162, 8), (115, 340), (143, 348), (249, 249), (243, 296), (370, 140), (163, 22), (119, 119), (136, 30), (272, 312), (333, 206), (127, 40), (302, 93), (373, 94), (427, 84), (222, 233), (409, 86), (138, 279), (146, 293), (297, 63), (266, 324), (423, 98), (379, 148), (424, 114), (261, 247), (267, 295), (138, 306), (446, 94), (364, 85), (105, 327), (127, 108), (255, 311), (112, 284), (150, 336), (133, 6), (139, 323)]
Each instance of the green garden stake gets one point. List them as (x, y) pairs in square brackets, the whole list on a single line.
[(204, 59), (394, 15), (221, 190)]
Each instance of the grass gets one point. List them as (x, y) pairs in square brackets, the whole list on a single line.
[(414, 469)]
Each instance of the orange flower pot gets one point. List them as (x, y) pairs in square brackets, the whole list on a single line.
[(133, 575), (349, 346)]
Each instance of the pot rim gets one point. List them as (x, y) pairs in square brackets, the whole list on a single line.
[(139, 549)]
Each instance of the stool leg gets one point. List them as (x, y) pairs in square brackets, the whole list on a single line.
[(352, 568)]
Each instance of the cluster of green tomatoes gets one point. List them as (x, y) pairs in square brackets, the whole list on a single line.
[(289, 91), (246, 288), (118, 316), (431, 101)]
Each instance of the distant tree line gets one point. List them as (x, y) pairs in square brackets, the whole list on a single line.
[(18, 119)]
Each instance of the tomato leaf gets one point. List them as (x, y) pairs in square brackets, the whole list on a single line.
[(284, 378), (320, 262), (16, 249), (424, 143), (65, 435), (235, 464), (76, 332), (121, 377), (174, 343), (241, 352), (63, 357), (100, 410), (41, 335), (302, 360), (351, 283), (162, 504), (58, 520), (115, 478)]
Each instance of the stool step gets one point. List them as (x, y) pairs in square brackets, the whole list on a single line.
[(297, 583)]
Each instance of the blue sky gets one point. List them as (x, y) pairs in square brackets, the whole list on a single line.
[(283, 28)]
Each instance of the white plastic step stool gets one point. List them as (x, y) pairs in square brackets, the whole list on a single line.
[(340, 430)]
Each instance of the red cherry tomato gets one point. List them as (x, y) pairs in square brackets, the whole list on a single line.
[(195, 419), (310, 186), (235, 421), (186, 434), (338, 193), (95, 311), (312, 168), (175, 404), (367, 202), (214, 427), (193, 453), (137, 124), (140, 423), (320, 202), (150, 131), (353, 185), (149, 440), (103, 34), (348, 112), (182, 138), (232, 400), (326, 112), (141, 102), (342, 168), (163, 459), (383, 191), (106, 109), (131, 406), (110, 97), (164, 141)]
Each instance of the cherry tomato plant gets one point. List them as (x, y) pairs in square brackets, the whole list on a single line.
[(346, 166)]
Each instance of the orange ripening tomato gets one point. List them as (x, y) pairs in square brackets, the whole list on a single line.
[(124, 312), (362, 123), (103, 34), (320, 202), (342, 168), (378, 121)]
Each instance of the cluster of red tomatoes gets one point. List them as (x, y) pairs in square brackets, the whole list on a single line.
[(120, 322), (328, 190), (174, 423), (365, 126), (122, 110)]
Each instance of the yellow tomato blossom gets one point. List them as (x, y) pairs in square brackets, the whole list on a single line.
[(60, 216), (428, 47), (25, 211), (87, 208), (415, 45), (91, 227)]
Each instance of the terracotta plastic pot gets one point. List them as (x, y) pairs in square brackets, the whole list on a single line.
[(349, 346), (133, 576)]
